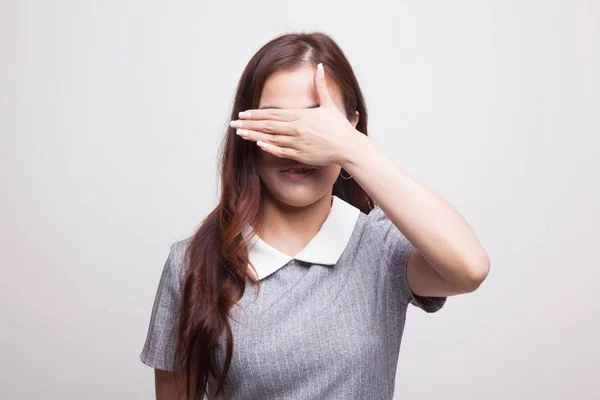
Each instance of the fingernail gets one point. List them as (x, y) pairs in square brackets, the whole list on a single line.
[(241, 132), (261, 144), (321, 70), (244, 114)]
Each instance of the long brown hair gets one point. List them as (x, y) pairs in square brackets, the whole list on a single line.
[(217, 257)]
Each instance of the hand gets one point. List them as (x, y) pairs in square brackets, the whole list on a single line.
[(316, 136)]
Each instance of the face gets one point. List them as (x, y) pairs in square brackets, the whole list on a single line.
[(295, 89)]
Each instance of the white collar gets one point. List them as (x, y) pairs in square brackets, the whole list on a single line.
[(325, 247)]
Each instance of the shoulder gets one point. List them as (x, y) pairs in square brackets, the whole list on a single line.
[(376, 217), (179, 247), (381, 235), (176, 262), (374, 223), (379, 222)]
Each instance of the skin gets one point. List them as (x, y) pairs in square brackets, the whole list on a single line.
[(168, 386), (290, 210), (293, 212), (448, 258)]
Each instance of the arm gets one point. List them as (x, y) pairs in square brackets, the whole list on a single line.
[(448, 258), (168, 385)]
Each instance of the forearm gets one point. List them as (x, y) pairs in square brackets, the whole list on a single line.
[(426, 219)]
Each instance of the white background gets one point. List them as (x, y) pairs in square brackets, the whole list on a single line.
[(111, 114)]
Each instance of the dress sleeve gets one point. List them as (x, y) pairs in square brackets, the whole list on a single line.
[(397, 250), (161, 339)]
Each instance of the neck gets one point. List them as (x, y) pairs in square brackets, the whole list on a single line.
[(290, 228)]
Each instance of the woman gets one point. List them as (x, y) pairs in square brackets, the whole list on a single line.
[(319, 243)]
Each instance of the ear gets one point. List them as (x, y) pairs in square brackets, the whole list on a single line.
[(355, 119)]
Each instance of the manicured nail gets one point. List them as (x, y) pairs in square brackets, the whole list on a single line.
[(321, 70), (235, 124), (241, 132), (262, 144), (244, 114)]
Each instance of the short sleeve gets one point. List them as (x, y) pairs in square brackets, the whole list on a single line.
[(161, 338), (397, 249)]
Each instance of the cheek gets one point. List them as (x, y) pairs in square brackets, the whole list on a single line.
[(330, 173), (268, 165), (266, 159)]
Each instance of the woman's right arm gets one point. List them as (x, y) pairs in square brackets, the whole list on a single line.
[(168, 385)]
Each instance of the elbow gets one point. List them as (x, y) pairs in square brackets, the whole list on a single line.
[(476, 273)]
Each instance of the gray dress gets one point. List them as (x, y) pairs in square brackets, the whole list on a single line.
[(316, 331)]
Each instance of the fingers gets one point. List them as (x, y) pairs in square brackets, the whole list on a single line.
[(268, 126), (277, 140), (275, 114), (281, 152), (321, 86)]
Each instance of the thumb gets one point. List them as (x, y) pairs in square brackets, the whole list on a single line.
[(321, 85)]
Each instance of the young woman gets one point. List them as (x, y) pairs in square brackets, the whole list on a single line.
[(317, 247)]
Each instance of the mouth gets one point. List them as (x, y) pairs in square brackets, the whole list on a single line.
[(298, 173)]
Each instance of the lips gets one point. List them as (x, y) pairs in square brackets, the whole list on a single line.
[(298, 176), (298, 166)]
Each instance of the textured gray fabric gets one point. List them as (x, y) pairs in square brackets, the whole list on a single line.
[(314, 331), (159, 348)]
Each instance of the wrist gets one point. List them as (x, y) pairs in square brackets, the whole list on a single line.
[(352, 149)]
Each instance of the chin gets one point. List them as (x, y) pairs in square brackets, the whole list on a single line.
[(299, 193), (296, 197)]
